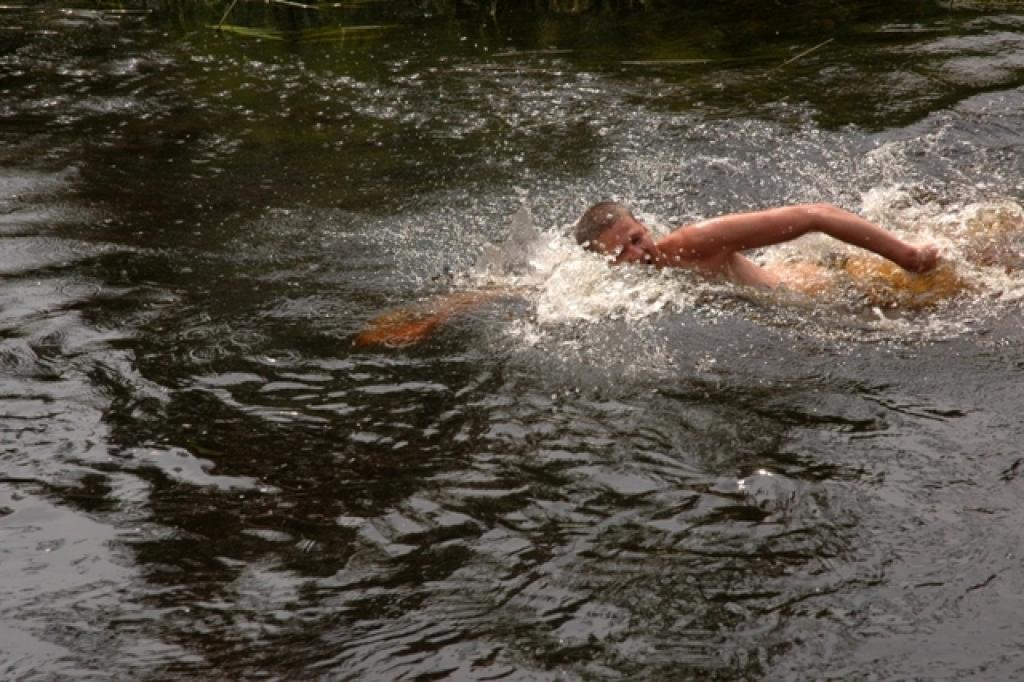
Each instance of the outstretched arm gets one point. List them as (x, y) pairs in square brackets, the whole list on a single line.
[(713, 241)]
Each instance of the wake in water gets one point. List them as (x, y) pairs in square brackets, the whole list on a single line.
[(982, 248)]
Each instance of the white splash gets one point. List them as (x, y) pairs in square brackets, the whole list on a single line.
[(568, 284), (571, 284), (584, 287)]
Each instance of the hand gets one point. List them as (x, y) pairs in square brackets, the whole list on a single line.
[(924, 260)]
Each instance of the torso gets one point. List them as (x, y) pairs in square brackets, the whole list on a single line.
[(733, 266)]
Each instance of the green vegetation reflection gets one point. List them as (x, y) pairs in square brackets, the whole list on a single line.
[(305, 33)]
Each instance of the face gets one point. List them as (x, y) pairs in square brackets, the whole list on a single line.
[(628, 241)]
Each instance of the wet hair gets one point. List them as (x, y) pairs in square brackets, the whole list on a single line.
[(597, 219)]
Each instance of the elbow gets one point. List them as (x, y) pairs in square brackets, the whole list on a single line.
[(820, 209), (813, 216)]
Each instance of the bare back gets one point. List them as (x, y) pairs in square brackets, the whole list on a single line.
[(676, 252)]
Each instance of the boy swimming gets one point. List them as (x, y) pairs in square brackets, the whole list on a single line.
[(714, 246)]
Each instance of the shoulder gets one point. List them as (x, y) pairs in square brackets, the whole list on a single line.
[(679, 240), (689, 245), (675, 247)]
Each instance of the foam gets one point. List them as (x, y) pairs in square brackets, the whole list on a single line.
[(568, 285)]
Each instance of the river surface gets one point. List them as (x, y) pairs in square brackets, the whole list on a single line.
[(597, 474)]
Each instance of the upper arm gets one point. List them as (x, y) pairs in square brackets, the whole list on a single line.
[(715, 239)]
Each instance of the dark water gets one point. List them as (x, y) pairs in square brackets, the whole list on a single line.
[(606, 475)]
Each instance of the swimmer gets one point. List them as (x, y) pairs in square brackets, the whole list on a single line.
[(714, 247)]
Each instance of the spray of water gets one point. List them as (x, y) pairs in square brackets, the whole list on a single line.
[(980, 244)]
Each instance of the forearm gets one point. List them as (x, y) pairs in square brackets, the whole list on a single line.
[(852, 229)]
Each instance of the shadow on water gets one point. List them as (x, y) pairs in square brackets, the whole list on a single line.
[(601, 474)]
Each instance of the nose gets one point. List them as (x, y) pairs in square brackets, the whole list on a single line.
[(635, 252)]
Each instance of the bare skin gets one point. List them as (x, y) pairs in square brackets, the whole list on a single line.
[(714, 246), (411, 325)]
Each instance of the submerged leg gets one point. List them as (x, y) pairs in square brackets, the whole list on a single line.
[(416, 323)]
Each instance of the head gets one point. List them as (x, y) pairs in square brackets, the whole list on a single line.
[(611, 229)]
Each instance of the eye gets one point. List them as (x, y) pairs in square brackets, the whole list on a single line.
[(635, 239)]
